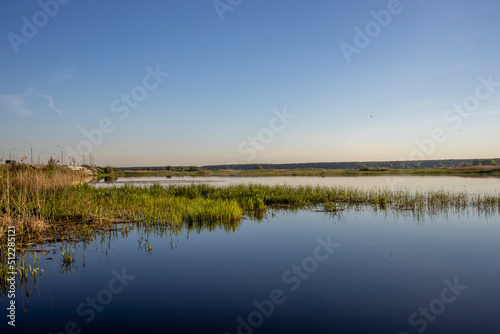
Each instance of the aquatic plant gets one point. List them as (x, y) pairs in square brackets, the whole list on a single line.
[(55, 201), (67, 255)]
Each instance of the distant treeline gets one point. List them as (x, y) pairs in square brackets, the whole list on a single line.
[(159, 168), (417, 164)]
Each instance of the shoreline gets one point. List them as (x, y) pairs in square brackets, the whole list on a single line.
[(491, 171)]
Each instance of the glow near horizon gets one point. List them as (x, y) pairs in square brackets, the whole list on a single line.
[(227, 79)]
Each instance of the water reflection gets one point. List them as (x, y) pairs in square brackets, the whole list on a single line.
[(110, 179), (71, 256), (201, 279)]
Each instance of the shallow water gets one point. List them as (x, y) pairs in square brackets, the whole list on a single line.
[(475, 184), (376, 271)]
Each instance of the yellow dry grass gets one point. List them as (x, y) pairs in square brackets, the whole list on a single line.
[(20, 186)]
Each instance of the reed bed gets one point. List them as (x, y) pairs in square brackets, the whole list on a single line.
[(39, 200), (23, 191), (260, 197)]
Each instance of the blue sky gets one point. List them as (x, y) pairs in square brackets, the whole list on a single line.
[(229, 78)]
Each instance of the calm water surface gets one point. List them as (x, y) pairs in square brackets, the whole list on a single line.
[(358, 271), (422, 183)]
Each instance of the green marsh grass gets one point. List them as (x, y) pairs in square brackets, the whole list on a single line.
[(67, 255), (54, 205), (43, 201)]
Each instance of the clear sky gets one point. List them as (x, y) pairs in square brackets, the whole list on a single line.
[(178, 82)]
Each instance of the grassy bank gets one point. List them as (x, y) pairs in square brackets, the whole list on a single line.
[(37, 201), (24, 191)]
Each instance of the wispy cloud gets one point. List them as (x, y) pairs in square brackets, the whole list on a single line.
[(51, 104), (16, 103)]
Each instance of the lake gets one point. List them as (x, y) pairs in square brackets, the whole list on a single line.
[(302, 271), (472, 184)]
